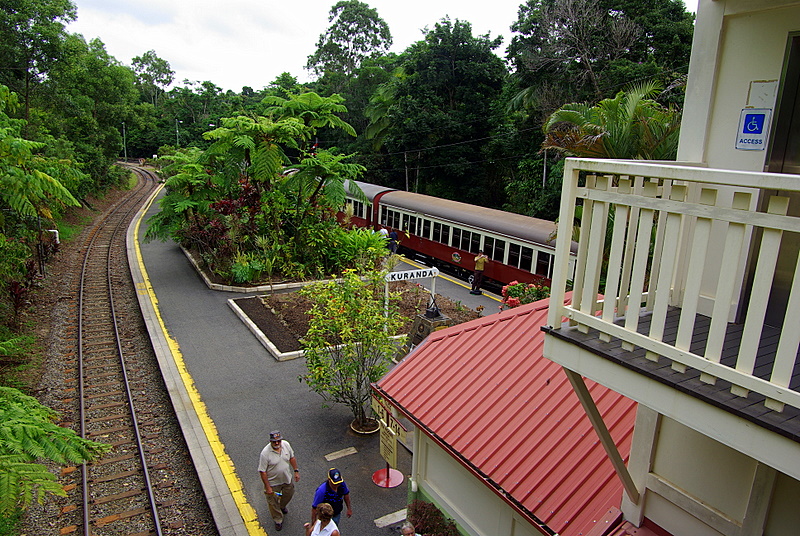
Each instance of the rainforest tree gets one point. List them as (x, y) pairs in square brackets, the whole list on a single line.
[(440, 113)]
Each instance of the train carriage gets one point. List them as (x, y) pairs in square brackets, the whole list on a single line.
[(448, 234)]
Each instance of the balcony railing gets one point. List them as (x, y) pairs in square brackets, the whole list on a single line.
[(676, 240)]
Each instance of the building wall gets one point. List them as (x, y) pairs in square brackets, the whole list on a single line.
[(737, 57), (784, 513), (712, 472), (752, 50), (696, 485), (457, 492), (736, 43)]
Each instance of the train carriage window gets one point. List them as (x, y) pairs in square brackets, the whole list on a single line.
[(414, 225), (526, 259), (393, 219), (382, 218), (498, 251), (358, 208), (465, 240), (456, 243), (513, 255), (426, 228), (475, 243), (437, 232), (409, 224), (544, 264), (445, 234), (488, 247)]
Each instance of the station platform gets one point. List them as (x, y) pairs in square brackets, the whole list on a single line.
[(229, 393)]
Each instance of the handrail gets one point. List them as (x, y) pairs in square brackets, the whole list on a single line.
[(667, 234)]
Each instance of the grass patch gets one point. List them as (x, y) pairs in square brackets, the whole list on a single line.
[(67, 230), (132, 181)]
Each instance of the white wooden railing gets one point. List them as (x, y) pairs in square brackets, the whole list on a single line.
[(680, 236)]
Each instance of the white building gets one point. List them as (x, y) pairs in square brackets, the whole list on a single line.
[(701, 329)]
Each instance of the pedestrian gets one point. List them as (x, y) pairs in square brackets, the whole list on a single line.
[(324, 526), (477, 277), (335, 492), (276, 466), (407, 529), (393, 238)]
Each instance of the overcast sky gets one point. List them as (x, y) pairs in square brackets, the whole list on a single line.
[(236, 43)]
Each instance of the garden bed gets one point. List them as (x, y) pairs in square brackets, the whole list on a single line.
[(283, 318)]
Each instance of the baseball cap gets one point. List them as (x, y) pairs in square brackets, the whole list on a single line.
[(335, 476), (275, 435)]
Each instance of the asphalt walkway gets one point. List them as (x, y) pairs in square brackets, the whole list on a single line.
[(229, 393)]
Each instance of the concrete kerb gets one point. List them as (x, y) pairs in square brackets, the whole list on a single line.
[(232, 514), (233, 288), (262, 338)]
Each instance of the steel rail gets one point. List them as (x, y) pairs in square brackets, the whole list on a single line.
[(82, 409)]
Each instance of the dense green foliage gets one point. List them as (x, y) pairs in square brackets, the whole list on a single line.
[(349, 343), (28, 433), (259, 203), (630, 125)]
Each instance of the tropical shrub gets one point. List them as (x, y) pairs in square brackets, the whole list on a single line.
[(516, 293), (429, 520), (28, 433), (259, 202), (349, 342)]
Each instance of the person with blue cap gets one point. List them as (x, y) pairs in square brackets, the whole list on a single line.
[(335, 492)]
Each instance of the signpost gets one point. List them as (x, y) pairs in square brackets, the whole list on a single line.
[(391, 429), (408, 275)]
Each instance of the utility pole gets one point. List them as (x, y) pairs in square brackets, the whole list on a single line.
[(177, 141), (125, 141)]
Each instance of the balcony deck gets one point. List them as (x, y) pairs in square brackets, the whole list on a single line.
[(751, 408)]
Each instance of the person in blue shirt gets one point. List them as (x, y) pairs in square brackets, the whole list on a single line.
[(335, 492)]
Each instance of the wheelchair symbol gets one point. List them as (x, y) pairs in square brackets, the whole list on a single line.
[(753, 124)]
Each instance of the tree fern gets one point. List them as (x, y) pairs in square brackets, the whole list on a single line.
[(28, 433)]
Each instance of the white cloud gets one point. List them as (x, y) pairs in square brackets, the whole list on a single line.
[(250, 42)]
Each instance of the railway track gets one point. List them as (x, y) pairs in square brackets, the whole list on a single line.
[(116, 493)]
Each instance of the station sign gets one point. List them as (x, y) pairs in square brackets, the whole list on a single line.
[(386, 418), (388, 447), (754, 124), (412, 274)]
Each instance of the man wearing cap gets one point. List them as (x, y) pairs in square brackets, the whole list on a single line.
[(276, 466), (333, 491)]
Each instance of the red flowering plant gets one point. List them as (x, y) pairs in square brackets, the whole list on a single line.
[(516, 293)]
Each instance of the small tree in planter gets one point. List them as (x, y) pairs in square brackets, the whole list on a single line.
[(349, 341)]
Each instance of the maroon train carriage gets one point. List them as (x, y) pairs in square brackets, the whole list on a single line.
[(448, 234)]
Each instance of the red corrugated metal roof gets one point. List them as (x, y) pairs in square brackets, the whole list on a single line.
[(483, 391)]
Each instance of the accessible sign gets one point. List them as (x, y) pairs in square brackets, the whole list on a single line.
[(753, 129)]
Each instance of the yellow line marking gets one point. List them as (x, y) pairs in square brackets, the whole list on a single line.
[(448, 278), (235, 485)]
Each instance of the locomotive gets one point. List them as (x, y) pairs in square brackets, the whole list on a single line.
[(448, 234)]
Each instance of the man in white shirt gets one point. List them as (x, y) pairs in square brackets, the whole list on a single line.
[(276, 466)]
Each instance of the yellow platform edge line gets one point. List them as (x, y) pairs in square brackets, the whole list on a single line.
[(233, 481)]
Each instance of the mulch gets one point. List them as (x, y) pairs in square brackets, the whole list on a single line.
[(284, 318)]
